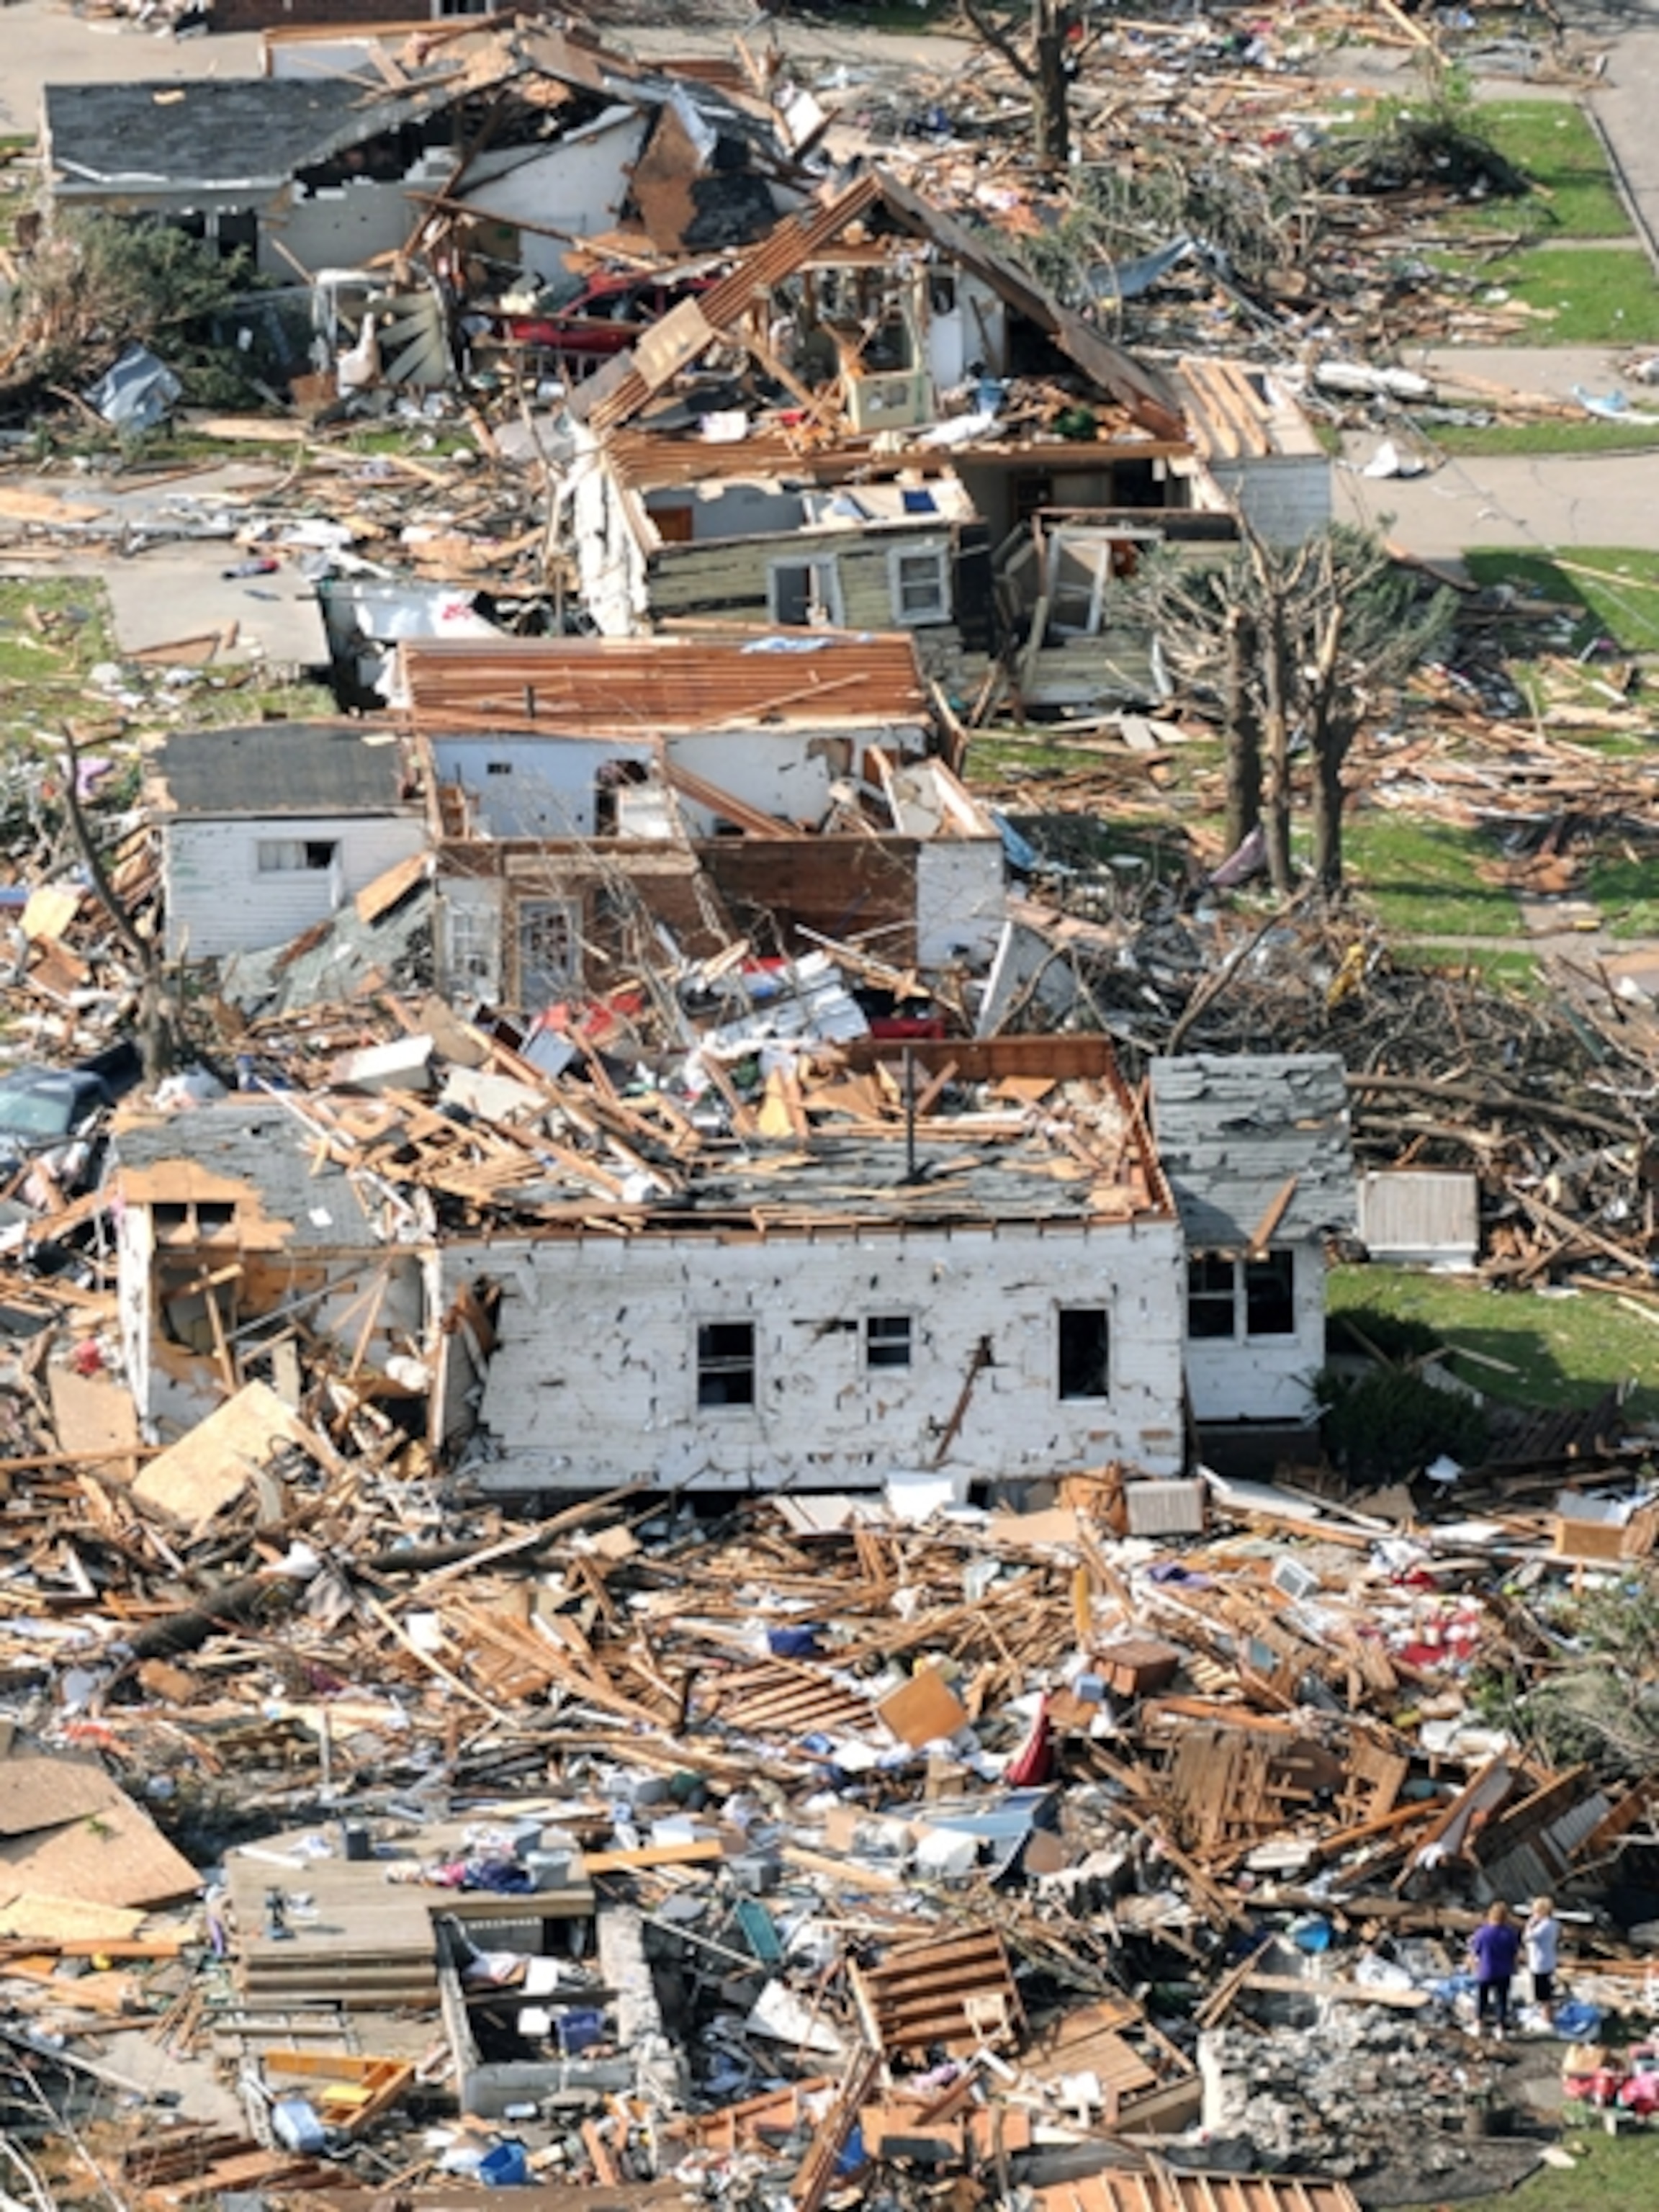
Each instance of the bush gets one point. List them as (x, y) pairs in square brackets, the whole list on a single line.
[(96, 284), (1391, 1423)]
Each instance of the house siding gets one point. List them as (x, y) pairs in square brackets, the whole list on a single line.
[(730, 575), (594, 1380), (1264, 1378), (218, 903)]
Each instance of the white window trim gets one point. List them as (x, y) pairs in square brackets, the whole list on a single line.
[(827, 589), (930, 549)]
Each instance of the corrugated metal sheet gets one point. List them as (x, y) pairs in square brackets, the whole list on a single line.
[(1165, 1508), (646, 685), (1233, 1128)]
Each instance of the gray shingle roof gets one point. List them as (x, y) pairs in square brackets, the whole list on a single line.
[(1232, 1128), (272, 769)]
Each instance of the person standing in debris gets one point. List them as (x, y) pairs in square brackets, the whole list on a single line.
[(1494, 1947), (1542, 1938)]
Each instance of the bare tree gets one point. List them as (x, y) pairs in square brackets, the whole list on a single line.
[(1044, 56), (1296, 644)]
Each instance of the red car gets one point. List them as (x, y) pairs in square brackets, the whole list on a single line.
[(606, 315)]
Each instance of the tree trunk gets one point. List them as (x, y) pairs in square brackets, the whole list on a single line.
[(1329, 734), (1276, 735), (1328, 817), (1051, 90), (1242, 731)]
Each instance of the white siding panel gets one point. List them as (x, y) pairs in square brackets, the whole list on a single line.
[(594, 1379), (577, 188), (218, 903)]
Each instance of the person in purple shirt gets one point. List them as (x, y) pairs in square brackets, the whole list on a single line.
[(1494, 1947)]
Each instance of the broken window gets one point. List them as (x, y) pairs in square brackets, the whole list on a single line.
[(920, 584), (1084, 1352), (236, 230), (887, 1340), (802, 594), (549, 951), (725, 1363), (283, 856), (1270, 1295), (1211, 1296)]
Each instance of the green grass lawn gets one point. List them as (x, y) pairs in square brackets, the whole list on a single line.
[(1555, 1351), (1553, 143), (1588, 436), (1618, 588), (1582, 294), (1625, 887), (44, 661), (44, 666), (1613, 2173), (1419, 878), (1516, 972)]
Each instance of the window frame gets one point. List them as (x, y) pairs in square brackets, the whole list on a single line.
[(940, 609), (1102, 1315), (881, 1351), (710, 1362), (306, 867), (1278, 1257), (826, 590), (1211, 1296)]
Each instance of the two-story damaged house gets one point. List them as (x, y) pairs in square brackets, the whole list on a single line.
[(870, 420), (697, 790)]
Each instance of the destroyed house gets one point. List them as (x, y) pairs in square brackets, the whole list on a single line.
[(268, 830), (1256, 1148), (876, 417), (924, 397), (243, 1258), (701, 789), (968, 1263), (488, 147)]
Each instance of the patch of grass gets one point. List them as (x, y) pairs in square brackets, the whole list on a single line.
[(1514, 972), (1420, 877), (1554, 144), (1555, 1351), (1589, 436), (1583, 296), (1625, 888), (1618, 588), (1614, 2173), (52, 630)]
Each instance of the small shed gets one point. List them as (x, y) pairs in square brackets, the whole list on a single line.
[(1257, 1151), (1426, 1217), (269, 830)]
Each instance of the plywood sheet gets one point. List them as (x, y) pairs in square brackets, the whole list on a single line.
[(114, 1854), (211, 1468), (923, 1710), (38, 1918), (38, 1792)]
